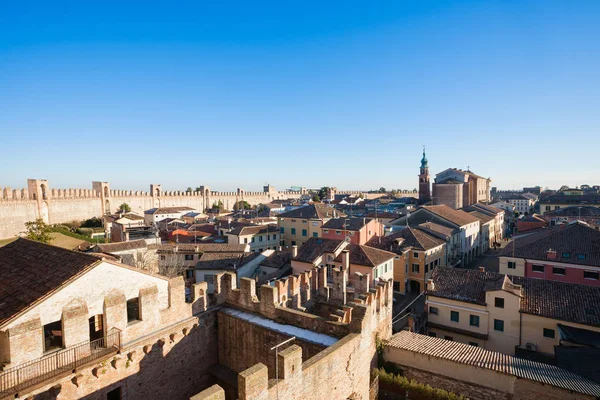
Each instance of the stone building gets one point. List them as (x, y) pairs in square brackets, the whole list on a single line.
[(457, 188), (424, 181), (77, 326)]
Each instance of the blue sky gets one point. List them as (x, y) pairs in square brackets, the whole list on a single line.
[(237, 94)]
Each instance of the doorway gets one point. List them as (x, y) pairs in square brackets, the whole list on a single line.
[(96, 327), (114, 394), (415, 287)]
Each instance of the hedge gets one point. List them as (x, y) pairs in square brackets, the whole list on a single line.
[(60, 229), (403, 383)]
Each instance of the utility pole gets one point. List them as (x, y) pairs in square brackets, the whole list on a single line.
[(276, 348)]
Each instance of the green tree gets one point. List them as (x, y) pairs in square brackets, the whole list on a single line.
[(189, 190), (38, 230), (124, 208), (323, 192), (242, 205), (218, 206), (316, 198), (382, 190), (197, 189)]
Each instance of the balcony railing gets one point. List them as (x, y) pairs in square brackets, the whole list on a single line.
[(37, 371)]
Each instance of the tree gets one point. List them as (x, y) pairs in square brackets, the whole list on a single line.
[(382, 190), (189, 190), (146, 260), (316, 198), (563, 188), (173, 265), (242, 205), (93, 222), (198, 189), (124, 208), (218, 206), (38, 230), (323, 192)]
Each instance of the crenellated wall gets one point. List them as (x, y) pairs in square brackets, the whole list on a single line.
[(57, 206)]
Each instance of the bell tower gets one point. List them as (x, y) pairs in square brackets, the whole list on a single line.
[(424, 186)]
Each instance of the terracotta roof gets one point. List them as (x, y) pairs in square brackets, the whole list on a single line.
[(484, 208), (253, 230), (438, 230), (462, 353), (366, 255), (572, 199), (167, 210), (349, 224), (225, 261), (278, 259), (121, 246), (313, 211), (313, 248), (577, 240), (551, 299), (203, 248), (457, 217), (30, 271), (412, 239), (574, 211), (483, 218)]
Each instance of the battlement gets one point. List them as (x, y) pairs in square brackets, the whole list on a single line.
[(307, 301)]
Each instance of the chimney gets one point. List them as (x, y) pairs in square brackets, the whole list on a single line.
[(294, 251), (551, 254), (346, 259)]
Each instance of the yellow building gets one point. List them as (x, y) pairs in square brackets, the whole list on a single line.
[(417, 254), (510, 315), (297, 226)]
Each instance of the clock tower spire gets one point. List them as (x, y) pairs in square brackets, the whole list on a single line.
[(424, 186)]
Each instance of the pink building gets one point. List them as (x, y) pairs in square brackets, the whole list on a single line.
[(570, 254), (355, 230)]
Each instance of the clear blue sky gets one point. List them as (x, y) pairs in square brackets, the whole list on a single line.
[(237, 94)]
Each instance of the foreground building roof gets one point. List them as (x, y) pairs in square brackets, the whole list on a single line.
[(499, 362), (457, 217), (202, 248), (313, 248), (366, 255), (405, 239), (551, 299), (576, 243), (349, 224)]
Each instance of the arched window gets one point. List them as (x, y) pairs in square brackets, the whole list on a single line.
[(43, 187)]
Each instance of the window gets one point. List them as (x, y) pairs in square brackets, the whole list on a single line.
[(499, 325), (274, 236), (245, 241), (433, 310), (133, 309), (385, 267), (581, 256), (338, 232), (558, 271), (351, 233), (450, 338), (512, 265), (260, 238), (549, 333), (499, 302), (415, 268), (293, 242), (590, 275), (189, 257), (268, 237), (566, 254), (474, 344), (304, 221), (114, 394), (293, 220), (537, 268), (432, 334), (375, 273), (304, 232), (415, 254), (293, 231), (474, 320), (252, 239), (315, 224), (454, 316), (325, 230), (163, 258), (53, 336), (315, 234), (281, 230), (547, 208)]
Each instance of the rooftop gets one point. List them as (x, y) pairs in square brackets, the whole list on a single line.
[(313, 211), (575, 211), (411, 239), (225, 261), (253, 230), (350, 224), (551, 299), (30, 271), (167, 210), (576, 243), (366, 255), (313, 248), (122, 246), (499, 362), (457, 217), (202, 248)]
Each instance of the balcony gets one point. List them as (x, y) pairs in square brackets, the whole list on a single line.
[(38, 371)]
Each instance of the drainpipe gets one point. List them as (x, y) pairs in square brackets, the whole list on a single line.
[(520, 327)]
